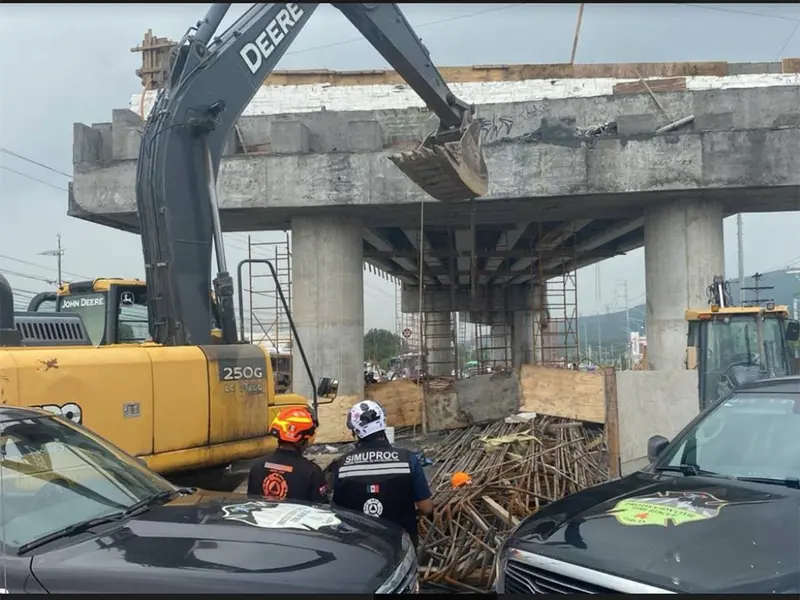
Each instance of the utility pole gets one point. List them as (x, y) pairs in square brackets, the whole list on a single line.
[(627, 321), (757, 288), (587, 348), (58, 253), (740, 253), (611, 349), (577, 35), (599, 334)]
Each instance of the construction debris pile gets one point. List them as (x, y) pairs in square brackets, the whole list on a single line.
[(515, 469)]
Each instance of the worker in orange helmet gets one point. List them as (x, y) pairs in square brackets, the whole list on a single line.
[(286, 474)]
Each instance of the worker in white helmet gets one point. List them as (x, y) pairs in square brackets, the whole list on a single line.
[(378, 478)]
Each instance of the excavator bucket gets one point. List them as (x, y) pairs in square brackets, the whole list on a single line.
[(448, 166)]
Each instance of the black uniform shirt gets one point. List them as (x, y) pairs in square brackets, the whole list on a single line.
[(382, 481), (287, 475)]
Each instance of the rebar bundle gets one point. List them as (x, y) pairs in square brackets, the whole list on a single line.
[(516, 469)]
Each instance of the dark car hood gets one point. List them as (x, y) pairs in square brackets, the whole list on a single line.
[(221, 543), (687, 534)]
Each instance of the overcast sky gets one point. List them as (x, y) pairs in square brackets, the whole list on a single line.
[(61, 64)]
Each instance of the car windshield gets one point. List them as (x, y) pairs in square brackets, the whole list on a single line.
[(54, 475), (747, 435)]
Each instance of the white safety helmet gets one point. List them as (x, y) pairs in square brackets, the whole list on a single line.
[(365, 418)]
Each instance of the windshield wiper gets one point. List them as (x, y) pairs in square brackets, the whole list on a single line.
[(77, 528), (688, 470), (155, 499), (71, 530), (790, 482)]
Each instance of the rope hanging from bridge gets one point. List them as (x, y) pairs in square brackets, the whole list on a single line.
[(421, 243)]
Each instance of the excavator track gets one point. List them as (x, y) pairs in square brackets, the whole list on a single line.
[(449, 171)]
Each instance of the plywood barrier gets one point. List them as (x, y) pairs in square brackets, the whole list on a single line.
[(564, 393), (673, 84), (332, 421), (499, 73), (578, 395), (400, 400)]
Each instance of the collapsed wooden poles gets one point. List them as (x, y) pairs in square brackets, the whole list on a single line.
[(516, 469)]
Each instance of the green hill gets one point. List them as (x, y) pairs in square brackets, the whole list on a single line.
[(609, 329)]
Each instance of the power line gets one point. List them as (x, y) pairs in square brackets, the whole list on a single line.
[(33, 264), (429, 24), (739, 12), (31, 177), (49, 168), (788, 39), (27, 276), (37, 163)]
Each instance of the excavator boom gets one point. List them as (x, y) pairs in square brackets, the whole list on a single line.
[(211, 81), (449, 165)]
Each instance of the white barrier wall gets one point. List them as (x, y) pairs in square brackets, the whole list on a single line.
[(652, 403)]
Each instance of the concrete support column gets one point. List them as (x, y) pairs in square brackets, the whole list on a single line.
[(328, 302), (438, 338), (683, 250), (539, 314), (522, 337)]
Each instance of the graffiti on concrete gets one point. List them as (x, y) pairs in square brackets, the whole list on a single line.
[(496, 127), (531, 110)]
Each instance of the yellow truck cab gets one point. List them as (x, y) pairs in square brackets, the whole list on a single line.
[(733, 345)]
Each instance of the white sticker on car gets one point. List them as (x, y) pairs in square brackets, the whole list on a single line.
[(280, 515)]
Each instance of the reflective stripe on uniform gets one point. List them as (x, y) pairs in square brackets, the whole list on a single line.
[(376, 469)]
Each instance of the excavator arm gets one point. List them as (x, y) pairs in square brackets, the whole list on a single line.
[(449, 165), (211, 81)]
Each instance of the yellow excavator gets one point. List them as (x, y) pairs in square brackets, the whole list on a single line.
[(179, 408), (730, 345), (159, 368), (128, 325)]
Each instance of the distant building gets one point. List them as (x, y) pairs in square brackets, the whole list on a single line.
[(638, 344)]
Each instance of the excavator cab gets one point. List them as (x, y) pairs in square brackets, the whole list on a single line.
[(733, 345), (113, 310)]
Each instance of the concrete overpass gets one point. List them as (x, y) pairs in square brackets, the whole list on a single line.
[(578, 173)]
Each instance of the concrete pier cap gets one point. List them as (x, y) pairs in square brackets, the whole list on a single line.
[(497, 299)]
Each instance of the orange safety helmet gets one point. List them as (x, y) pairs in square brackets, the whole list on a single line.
[(293, 425), (460, 479)]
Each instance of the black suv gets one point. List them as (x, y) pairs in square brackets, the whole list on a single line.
[(716, 511), (78, 515)]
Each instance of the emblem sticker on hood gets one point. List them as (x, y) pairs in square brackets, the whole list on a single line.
[(664, 508), (277, 515)]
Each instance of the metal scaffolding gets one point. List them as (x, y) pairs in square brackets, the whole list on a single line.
[(493, 344), (556, 286), (268, 321)]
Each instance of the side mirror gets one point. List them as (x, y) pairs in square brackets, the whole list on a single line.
[(327, 388), (656, 446), (792, 331)]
